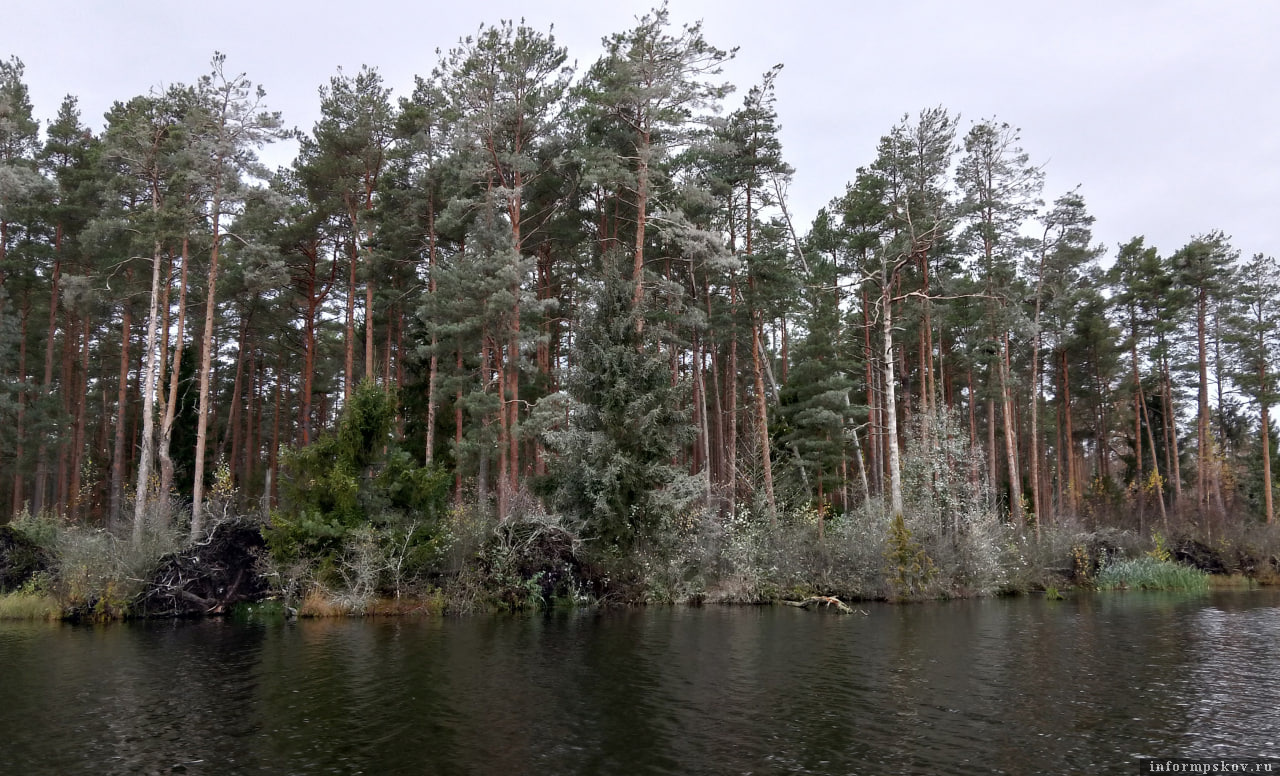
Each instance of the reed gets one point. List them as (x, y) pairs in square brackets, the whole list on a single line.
[(1149, 573)]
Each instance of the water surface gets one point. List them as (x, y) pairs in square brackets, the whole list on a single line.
[(1010, 686)]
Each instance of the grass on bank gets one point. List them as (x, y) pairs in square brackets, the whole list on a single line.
[(1149, 573), (23, 605), (1233, 582)]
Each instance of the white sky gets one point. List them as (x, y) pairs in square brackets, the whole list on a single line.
[(1165, 112)]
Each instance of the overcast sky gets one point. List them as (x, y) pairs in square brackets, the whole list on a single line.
[(1166, 114)]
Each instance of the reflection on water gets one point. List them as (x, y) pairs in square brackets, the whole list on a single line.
[(996, 686)]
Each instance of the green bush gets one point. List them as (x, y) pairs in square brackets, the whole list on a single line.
[(355, 509)]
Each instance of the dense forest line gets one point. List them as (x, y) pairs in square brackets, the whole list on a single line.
[(525, 289)]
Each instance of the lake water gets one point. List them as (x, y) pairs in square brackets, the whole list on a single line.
[(1014, 686)]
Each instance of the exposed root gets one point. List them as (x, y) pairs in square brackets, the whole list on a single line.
[(207, 577)]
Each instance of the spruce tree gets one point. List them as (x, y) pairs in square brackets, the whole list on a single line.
[(626, 424)]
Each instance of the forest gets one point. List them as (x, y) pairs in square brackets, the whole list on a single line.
[(535, 329)]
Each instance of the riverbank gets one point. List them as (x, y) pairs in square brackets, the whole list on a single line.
[(56, 571)]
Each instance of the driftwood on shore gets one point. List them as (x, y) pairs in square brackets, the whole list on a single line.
[(825, 601)]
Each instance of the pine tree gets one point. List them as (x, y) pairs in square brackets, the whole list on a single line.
[(506, 91), (649, 86), (755, 163), (1065, 257), (1134, 265), (232, 128), (19, 180), (913, 161), (341, 166), (22, 192), (1000, 191), (145, 139), (67, 160), (1253, 340), (422, 131), (1204, 269)]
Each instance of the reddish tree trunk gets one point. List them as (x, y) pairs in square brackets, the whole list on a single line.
[(46, 385), (74, 498), (118, 454), (19, 450)]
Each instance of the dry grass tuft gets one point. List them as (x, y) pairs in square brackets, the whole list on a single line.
[(319, 602), (29, 606)]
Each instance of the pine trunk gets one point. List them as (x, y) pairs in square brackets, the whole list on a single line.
[(308, 365), (1073, 475), (499, 372), (1155, 466), (1010, 439), (74, 496), (206, 363), (141, 501), (46, 385), (116, 505), (350, 363), (1202, 414), (762, 421), (1266, 454), (369, 351), (170, 409), (731, 393), (642, 204), (873, 411), (434, 366), (274, 456), (457, 432), (232, 435), (1137, 431), (891, 407), (71, 397), (1171, 430), (19, 451), (702, 461)]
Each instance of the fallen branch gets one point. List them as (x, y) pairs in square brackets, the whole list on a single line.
[(812, 602)]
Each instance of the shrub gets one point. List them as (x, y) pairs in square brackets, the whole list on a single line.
[(21, 558), (531, 563), (908, 566)]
